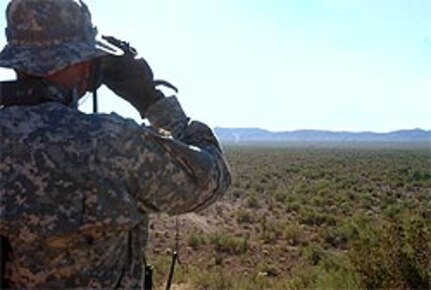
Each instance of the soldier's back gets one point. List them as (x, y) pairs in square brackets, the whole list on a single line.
[(66, 210)]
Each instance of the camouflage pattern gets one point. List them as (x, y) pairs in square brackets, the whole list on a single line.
[(33, 92), (45, 36), (76, 190)]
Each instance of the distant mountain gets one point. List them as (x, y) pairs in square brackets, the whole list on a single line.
[(250, 135)]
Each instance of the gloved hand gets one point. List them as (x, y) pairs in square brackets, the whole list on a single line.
[(132, 79)]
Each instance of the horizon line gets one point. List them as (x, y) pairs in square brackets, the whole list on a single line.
[(322, 130)]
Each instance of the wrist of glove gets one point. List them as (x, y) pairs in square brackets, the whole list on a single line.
[(130, 78), (168, 115)]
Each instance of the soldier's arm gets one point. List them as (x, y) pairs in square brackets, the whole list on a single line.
[(183, 172)]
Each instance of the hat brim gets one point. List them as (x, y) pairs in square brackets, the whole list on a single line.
[(46, 60)]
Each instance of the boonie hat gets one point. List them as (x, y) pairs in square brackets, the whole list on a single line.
[(45, 36)]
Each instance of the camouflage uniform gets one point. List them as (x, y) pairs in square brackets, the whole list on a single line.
[(76, 189)]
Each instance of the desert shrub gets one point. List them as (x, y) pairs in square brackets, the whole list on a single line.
[(312, 217), (417, 253), (334, 236), (419, 175), (392, 210), (314, 254), (212, 280), (268, 269), (195, 240), (293, 206), (227, 243), (323, 187), (321, 269), (271, 231), (252, 201), (393, 254), (280, 194), (293, 234), (317, 277), (225, 280), (244, 216)]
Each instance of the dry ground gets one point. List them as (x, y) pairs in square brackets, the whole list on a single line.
[(291, 216)]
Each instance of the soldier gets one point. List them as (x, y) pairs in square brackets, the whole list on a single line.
[(76, 189)]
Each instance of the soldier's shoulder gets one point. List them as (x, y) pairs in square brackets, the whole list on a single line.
[(54, 115)]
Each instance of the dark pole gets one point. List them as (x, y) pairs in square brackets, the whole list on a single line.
[(172, 270), (95, 106)]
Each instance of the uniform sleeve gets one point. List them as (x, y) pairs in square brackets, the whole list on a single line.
[(178, 165)]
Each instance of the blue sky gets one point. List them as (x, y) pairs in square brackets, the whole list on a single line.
[(282, 64)]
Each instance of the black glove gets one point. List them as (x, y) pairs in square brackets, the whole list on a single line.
[(129, 77), (132, 79)]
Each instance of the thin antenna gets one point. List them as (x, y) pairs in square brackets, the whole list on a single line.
[(175, 254)]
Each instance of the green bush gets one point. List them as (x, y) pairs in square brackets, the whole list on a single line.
[(292, 234), (334, 236), (244, 216), (312, 217), (393, 254), (420, 175), (271, 231), (214, 280), (322, 269), (280, 194), (252, 201), (293, 206), (195, 240), (227, 243)]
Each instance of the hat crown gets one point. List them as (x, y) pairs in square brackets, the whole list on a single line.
[(46, 36), (48, 22)]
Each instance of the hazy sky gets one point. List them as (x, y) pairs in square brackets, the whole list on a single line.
[(282, 64)]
